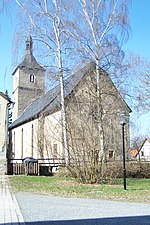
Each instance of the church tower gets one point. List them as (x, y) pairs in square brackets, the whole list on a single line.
[(28, 81)]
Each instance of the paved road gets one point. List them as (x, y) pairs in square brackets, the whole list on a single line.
[(42, 209)]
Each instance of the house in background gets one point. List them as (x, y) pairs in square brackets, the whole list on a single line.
[(4, 101), (133, 153), (144, 151), (37, 129)]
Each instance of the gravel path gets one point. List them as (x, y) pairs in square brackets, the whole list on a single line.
[(59, 210)]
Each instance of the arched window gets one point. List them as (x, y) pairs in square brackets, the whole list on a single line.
[(32, 78), (55, 150), (32, 133), (14, 142), (21, 143)]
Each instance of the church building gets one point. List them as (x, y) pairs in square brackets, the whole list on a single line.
[(36, 131)]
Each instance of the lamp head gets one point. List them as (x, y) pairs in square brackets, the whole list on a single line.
[(123, 118)]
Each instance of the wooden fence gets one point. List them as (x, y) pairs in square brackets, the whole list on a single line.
[(18, 167), (113, 168)]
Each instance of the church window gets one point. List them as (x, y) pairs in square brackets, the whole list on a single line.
[(28, 46), (22, 143), (14, 141), (55, 150), (110, 154), (95, 88), (32, 78), (95, 116), (32, 132)]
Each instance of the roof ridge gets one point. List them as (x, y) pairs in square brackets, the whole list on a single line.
[(51, 99)]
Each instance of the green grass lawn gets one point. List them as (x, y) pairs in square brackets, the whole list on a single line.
[(138, 190)]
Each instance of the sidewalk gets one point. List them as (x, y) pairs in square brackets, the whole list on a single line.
[(9, 209)]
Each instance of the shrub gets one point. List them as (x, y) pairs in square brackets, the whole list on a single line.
[(134, 169)]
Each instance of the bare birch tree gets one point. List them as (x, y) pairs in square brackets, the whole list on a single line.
[(45, 21), (134, 83), (134, 87), (100, 30), (97, 27)]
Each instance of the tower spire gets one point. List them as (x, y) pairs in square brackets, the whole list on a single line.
[(29, 44)]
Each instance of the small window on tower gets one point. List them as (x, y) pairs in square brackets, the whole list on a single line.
[(28, 46), (32, 78), (110, 154)]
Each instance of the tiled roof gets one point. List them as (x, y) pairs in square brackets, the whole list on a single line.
[(146, 139), (51, 99), (29, 61)]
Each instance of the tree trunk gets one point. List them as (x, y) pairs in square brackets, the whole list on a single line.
[(63, 112), (100, 114)]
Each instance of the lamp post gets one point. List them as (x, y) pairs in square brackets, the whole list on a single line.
[(123, 123)]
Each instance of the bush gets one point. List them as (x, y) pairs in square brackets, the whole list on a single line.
[(134, 169), (113, 169), (138, 169)]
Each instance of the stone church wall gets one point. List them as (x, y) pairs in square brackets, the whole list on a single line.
[(83, 119), (53, 147)]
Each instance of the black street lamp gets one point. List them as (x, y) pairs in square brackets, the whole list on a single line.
[(123, 121)]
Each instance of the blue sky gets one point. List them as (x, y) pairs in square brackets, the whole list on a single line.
[(139, 43), (140, 29)]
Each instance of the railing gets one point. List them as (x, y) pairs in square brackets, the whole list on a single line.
[(41, 167)]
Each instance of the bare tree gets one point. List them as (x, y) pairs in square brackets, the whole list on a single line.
[(134, 83), (134, 87), (99, 32), (47, 25), (137, 142), (144, 87), (97, 28)]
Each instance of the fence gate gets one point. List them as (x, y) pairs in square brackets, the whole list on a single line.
[(25, 168)]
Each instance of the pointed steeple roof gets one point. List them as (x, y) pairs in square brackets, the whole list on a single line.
[(29, 61)]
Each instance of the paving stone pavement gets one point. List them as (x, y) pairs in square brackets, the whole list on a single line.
[(9, 210)]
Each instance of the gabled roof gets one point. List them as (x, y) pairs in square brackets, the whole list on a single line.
[(146, 139), (51, 100), (5, 96)]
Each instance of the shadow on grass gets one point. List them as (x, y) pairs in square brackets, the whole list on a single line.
[(135, 220)]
